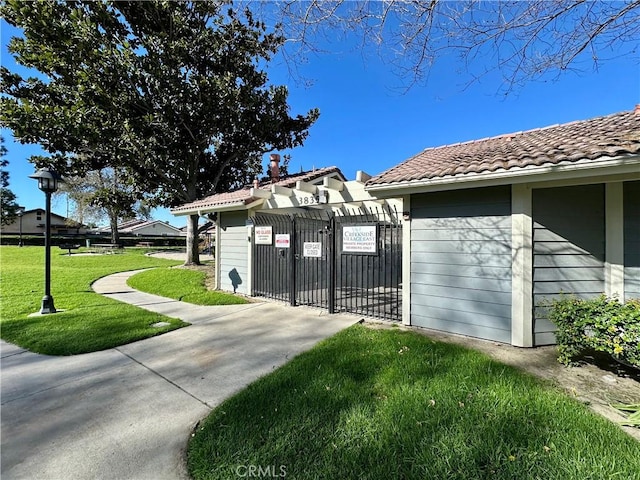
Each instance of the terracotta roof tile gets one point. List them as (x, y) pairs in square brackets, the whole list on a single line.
[(243, 195), (611, 136)]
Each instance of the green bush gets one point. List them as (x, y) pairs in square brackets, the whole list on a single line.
[(602, 324)]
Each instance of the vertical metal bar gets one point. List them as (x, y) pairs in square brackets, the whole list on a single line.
[(392, 271), (293, 268), (331, 292), (289, 264), (388, 268), (351, 275), (308, 294), (255, 274), (303, 231), (399, 271), (284, 258), (309, 268), (380, 270)]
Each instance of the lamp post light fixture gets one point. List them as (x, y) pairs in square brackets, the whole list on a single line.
[(48, 180), (20, 213)]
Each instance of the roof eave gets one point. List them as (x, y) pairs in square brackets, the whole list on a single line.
[(227, 207), (625, 165)]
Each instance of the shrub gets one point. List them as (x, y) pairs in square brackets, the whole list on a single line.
[(601, 324)]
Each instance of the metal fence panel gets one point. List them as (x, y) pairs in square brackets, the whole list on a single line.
[(318, 270), (272, 266), (370, 284)]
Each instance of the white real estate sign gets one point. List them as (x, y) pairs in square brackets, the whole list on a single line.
[(359, 239), (263, 234)]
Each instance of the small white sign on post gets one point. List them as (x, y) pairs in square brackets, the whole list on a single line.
[(359, 239), (312, 249), (263, 234), (283, 240)]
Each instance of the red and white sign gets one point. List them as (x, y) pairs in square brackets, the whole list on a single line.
[(283, 240)]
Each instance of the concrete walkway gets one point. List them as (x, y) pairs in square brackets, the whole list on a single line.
[(127, 413)]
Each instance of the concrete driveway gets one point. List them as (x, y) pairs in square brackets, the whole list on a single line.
[(127, 412)]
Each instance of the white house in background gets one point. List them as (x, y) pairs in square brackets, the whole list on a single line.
[(147, 228), (33, 223)]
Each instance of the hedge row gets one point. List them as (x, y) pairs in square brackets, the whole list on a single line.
[(602, 324), (38, 240)]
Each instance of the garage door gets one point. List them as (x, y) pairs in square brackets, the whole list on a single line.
[(461, 262)]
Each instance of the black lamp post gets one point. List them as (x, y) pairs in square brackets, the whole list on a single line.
[(20, 213), (47, 182)]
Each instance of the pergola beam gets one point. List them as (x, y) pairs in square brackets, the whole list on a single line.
[(278, 190), (259, 193), (333, 184), (306, 187), (362, 177)]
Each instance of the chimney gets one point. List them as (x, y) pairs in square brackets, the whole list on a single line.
[(256, 183), (637, 109), (275, 167)]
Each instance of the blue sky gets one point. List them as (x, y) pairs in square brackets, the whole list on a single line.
[(366, 123)]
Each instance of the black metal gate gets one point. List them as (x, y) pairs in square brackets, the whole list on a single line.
[(370, 283), (345, 262), (272, 266)]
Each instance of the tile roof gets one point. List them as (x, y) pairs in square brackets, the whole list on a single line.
[(243, 195), (610, 136)]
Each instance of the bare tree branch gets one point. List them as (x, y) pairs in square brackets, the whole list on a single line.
[(522, 40)]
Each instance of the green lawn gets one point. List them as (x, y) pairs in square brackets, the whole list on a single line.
[(181, 284), (90, 321), (388, 404)]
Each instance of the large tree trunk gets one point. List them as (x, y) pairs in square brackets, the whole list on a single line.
[(113, 221), (193, 255)]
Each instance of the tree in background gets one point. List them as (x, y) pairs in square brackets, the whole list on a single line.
[(104, 194), (521, 40), (7, 197), (170, 93)]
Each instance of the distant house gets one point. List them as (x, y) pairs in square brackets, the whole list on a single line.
[(33, 223), (207, 229), (147, 228)]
